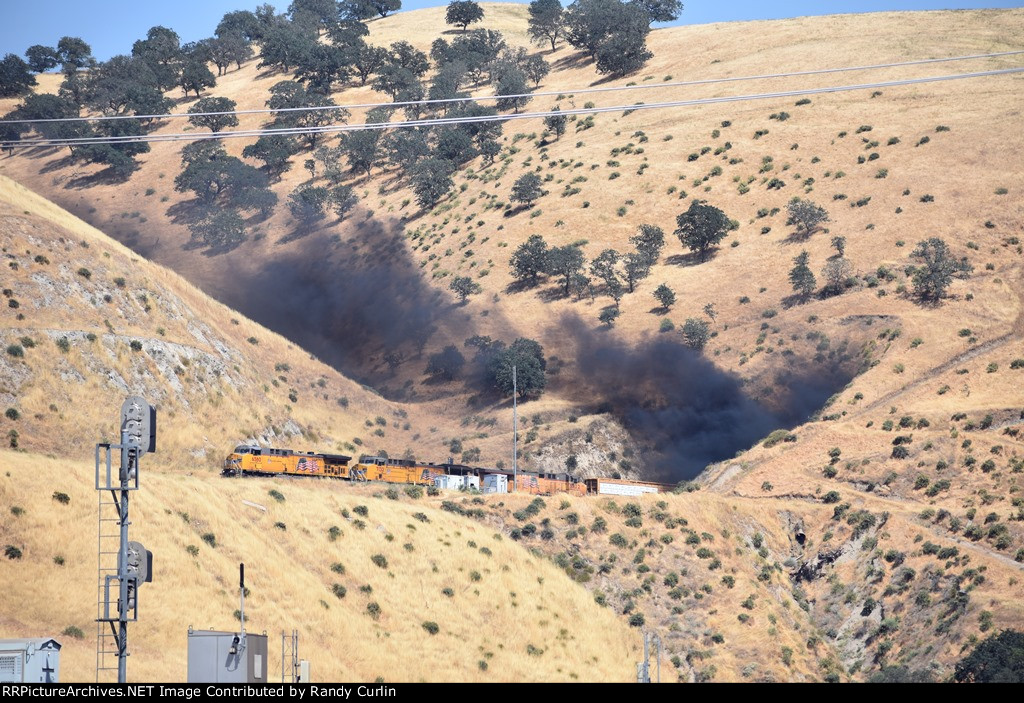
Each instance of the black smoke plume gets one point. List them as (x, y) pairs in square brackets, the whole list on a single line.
[(349, 302), (685, 412)]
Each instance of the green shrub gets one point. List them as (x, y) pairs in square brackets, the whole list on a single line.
[(276, 495), (414, 492), (338, 590), (380, 560), (12, 552), (373, 610), (210, 539), (73, 632), (431, 627)]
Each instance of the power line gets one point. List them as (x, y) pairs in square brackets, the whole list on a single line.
[(331, 129), (439, 101)]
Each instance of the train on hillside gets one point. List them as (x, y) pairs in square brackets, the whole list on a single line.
[(248, 460)]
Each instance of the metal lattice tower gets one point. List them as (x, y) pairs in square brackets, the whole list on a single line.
[(290, 657)]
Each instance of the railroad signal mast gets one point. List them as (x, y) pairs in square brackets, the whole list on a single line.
[(118, 584)]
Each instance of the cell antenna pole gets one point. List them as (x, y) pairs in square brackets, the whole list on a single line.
[(241, 595)]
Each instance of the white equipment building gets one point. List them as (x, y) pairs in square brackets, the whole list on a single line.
[(30, 660)]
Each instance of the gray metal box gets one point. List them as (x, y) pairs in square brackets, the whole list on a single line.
[(211, 659), (495, 483), (30, 660)]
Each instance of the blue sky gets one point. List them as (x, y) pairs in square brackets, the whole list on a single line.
[(111, 26)]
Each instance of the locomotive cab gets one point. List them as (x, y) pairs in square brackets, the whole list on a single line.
[(233, 462)]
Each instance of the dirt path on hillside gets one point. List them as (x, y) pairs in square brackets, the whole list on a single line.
[(1016, 331)]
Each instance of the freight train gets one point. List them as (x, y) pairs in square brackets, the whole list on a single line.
[(262, 461)]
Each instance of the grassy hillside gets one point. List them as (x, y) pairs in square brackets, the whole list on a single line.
[(86, 322), (502, 613), (901, 458), (605, 179)]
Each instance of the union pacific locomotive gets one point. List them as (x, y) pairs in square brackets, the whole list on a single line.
[(251, 460)]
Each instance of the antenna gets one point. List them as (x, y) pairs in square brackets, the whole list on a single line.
[(241, 595)]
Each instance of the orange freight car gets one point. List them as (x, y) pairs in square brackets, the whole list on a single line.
[(379, 468), (548, 484)]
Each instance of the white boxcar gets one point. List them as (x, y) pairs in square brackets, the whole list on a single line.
[(30, 660), (472, 483), (495, 483), (615, 487)]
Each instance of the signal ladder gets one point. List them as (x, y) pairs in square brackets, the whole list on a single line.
[(108, 540)]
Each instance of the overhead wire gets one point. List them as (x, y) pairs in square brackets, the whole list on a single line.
[(477, 98), (443, 121)]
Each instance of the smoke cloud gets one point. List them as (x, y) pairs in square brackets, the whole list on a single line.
[(684, 411), (348, 302)]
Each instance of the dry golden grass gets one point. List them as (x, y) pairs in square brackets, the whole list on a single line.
[(961, 169), (714, 634), (518, 600), (204, 374), (766, 490)]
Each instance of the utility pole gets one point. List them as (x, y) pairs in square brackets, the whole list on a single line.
[(515, 432)]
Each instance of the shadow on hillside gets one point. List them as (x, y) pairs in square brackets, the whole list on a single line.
[(187, 212), (610, 78), (549, 295), (798, 237), (521, 286), (691, 259), (106, 177), (577, 60), (67, 162), (42, 152), (796, 299), (512, 212), (301, 232), (269, 71), (211, 251)]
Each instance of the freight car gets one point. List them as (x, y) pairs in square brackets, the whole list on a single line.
[(250, 460)]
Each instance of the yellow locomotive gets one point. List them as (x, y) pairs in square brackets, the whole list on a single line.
[(259, 460)]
